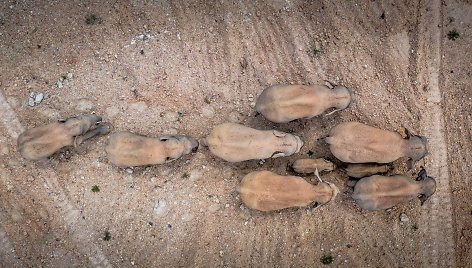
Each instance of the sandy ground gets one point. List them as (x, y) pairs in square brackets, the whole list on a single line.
[(204, 63)]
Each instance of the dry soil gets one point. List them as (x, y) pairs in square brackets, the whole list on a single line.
[(160, 67)]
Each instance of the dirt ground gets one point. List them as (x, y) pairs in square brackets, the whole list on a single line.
[(160, 67)]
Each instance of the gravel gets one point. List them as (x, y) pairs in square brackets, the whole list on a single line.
[(404, 217), (35, 98)]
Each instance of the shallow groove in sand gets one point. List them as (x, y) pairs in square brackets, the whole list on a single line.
[(66, 210), (437, 213), (7, 251)]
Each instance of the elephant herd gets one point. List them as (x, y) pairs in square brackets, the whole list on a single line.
[(361, 146)]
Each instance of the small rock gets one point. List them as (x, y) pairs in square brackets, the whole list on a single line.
[(38, 98), (250, 97), (160, 207), (404, 217), (213, 208), (129, 170), (187, 217), (31, 102), (70, 76), (59, 84), (84, 105), (208, 111)]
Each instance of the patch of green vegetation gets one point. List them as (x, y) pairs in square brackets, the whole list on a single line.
[(185, 175), (453, 35), (181, 114), (106, 235), (326, 259), (310, 153), (92, 19), (95, 189), (314, 51), (414, 227)]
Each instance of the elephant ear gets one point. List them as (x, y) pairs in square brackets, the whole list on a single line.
[(279, 133), (165, 137), (169, 159)]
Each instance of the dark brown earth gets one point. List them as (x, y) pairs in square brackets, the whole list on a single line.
[(204, 63)]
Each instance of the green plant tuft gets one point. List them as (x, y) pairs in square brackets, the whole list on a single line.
[(106, 235), (326, 259), (453, 35), (92, 19)]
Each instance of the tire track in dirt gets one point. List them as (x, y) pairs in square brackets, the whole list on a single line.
[(439, 241), (63, 207), (7, 252)]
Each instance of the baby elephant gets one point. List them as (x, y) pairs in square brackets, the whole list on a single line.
[(308, 165), (282, 104), (126, 149), (267, 191), (235, 143), (365, 170), (354, 142), (381, 192), (41, 142)]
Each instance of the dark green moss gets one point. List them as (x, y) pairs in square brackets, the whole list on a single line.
[(106, 235), (453, 35), (92, 19), (326, 259)]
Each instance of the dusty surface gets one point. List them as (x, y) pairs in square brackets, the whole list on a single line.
[(203, 64)]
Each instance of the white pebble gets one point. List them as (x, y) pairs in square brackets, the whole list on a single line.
[(38, 98), (31, 102), (404, 217), (160, 207)]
